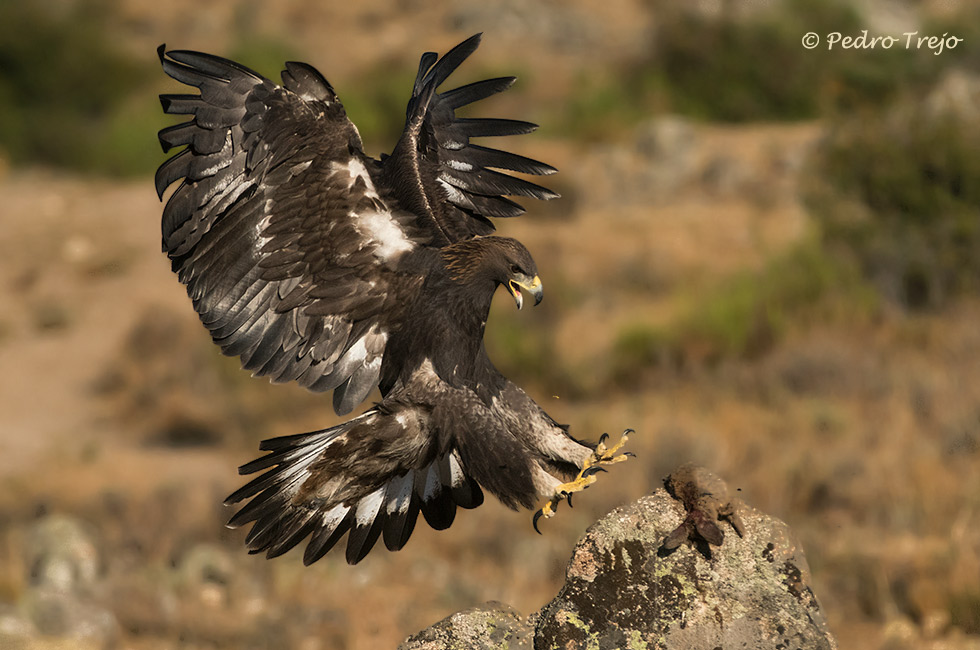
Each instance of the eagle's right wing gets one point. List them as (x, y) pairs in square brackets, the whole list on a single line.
[(289, 251)]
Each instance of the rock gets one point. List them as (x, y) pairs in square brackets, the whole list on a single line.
[(16, 631), (64, 572), (493, 626), (667, 148), (626, 589), (61, 555), (560, 25), (204, 566), (58, 614), (725, 175), (955, 95), (623, 590), (669, 140)]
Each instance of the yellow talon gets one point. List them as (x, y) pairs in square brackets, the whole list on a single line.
[(607, 455), (587, 476)]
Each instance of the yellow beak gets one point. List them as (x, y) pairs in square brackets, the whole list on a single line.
[(533, 285)]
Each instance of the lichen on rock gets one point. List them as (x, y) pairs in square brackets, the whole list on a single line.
[(624, 589), (493, 626)]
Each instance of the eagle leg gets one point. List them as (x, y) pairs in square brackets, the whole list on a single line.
[(602, 455)]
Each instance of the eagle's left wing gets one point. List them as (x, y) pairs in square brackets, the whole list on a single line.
[(290, 251)]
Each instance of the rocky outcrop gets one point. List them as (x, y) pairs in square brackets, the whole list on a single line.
[(626, 589), (494, 626)]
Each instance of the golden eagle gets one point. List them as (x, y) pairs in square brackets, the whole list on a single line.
[(317, 264)]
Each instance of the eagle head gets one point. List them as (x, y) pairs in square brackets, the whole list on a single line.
[(520, 272), (502, 260)]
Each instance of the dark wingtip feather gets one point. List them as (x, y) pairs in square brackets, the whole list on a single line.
[(171, 171), (263, 504), (325, 539), (474, 92), (484, 127), (440, 512), (425, 62), (288, 539), (469, 495), (362, 539), (398, 526), (302, 78), (451, 60)]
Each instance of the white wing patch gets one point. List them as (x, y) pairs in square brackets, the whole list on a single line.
[(456, 475), (334, 516), (453, 194), (356, 169), (433, 484), (459, 165), (390, 240), (399, 495), (379, 226), (368, 507)]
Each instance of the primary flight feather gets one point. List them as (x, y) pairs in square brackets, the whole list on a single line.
[(315, 263)]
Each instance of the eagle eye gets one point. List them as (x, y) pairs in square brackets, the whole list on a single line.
[(515, 269)]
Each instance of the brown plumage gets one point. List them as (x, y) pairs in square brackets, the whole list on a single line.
[(317, 264)]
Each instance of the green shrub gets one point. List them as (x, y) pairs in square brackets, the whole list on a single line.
[(751, 66), (896, 192), (376, 100), (736, 69), (744, 316), (63, 92)]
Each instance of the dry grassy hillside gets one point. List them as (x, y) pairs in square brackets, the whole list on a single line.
[(696, 291)]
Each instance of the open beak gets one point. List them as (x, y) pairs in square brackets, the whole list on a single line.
[(533, 285)]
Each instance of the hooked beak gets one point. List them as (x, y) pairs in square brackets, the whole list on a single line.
[(533, 285)]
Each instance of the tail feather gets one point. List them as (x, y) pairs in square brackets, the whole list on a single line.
[(333, 524), (322, 485), (401, 511), (367, 526), (438, 506)]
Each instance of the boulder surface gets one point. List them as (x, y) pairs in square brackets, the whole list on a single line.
[(625, 589)]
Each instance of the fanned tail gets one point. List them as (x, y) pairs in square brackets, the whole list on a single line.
[(319, 485)]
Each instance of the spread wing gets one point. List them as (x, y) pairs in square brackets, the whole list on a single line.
[(439, 174), (288, 251), (294, 245)]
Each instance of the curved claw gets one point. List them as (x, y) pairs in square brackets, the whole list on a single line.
[(534, 521), (629, 454), (592, 470), (603, 438), (568, 497)]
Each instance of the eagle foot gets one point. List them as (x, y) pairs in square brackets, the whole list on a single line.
[(593, 465), (607, 455)]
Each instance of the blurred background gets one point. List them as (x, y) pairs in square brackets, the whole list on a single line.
[(766, 260)]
